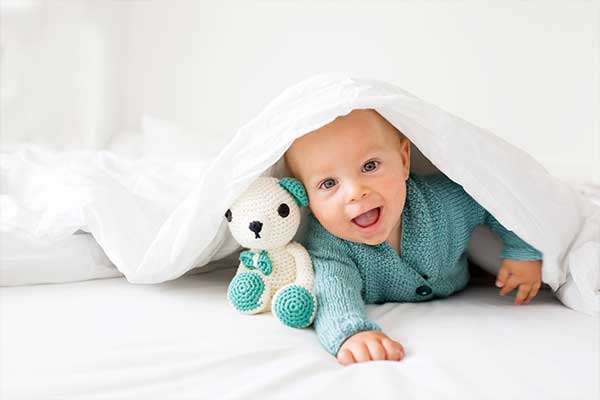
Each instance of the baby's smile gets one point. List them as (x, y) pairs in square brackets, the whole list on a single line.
[(370, 222), (368, 218), (355, 172)]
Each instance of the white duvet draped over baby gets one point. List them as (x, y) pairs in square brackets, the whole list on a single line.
[(151, 241)]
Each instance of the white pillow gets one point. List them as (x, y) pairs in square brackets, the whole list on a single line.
[(126, 143)]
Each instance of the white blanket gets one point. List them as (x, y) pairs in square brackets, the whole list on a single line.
[(157, 236)]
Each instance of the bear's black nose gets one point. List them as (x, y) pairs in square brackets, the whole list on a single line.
[(255, 226)]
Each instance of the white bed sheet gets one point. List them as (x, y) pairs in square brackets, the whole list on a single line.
[(181, 340)]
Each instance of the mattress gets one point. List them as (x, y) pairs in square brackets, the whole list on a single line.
[(107, 338)]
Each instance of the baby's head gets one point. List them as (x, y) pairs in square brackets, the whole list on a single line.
[(354, 170)]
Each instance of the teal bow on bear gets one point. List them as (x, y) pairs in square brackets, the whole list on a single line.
[(264, 264)]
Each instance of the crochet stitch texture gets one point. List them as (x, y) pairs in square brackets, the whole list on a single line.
[(275, 274), (437, 222)]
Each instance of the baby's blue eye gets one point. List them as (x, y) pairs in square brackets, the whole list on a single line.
[(370, 166), (328, 184)]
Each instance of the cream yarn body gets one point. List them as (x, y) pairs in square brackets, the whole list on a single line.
[(275, 274)]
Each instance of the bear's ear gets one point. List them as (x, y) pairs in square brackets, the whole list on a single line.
[(296, 189)]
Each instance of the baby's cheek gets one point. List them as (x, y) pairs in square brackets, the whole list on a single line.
[(330, 215), (330, 222), (323, 210), (333, 224)]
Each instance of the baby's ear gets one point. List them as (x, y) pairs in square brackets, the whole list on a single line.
[(405, 153), (296, 189)]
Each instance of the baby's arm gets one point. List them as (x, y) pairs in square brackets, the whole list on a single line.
[(341, 322), (521, 263), (515, 248)]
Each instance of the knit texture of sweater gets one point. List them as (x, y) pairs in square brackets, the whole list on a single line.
[(437, 222)]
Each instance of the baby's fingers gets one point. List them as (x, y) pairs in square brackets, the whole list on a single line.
[(509, 285), (361, 353), (394, 350), (376, 350), (345, 357), (534, 291), (502, 276), (524, 290)]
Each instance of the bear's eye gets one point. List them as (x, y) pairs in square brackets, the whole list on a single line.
[(228, 215), (283, 210)]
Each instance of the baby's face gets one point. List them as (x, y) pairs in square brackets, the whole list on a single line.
[(355, 172)]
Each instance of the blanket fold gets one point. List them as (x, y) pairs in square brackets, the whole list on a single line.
[(151, 243)]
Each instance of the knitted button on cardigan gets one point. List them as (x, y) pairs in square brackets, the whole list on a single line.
[(437, 222)]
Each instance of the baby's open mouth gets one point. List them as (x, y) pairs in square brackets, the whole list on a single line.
[(368, 218)]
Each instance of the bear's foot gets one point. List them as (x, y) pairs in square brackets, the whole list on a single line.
[(248, 293), (294, 306)]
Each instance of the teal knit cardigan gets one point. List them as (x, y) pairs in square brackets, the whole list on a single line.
[(437, 222)]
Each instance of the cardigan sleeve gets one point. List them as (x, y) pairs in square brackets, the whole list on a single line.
[(466, 213), (514, 248), (338, 287)]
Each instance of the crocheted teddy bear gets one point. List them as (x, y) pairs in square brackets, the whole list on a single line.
[(274, 274)]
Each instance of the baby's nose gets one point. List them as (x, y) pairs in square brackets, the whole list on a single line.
[(358, 193)]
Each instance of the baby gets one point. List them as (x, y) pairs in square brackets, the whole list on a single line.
[(378, 233)]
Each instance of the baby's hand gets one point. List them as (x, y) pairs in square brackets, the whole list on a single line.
[(527, 275), (367, 346)]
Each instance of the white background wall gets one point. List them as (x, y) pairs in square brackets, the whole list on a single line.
[(526, 70), (60, 71)]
